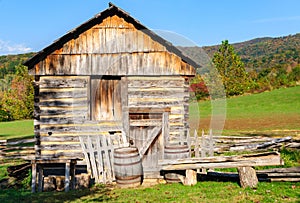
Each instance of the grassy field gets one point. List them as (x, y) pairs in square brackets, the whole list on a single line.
[(276, 112), (16, 129), (202, 192)]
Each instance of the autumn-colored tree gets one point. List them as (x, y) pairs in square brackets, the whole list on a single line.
[(231, 69), (17, 101), (199, 88)]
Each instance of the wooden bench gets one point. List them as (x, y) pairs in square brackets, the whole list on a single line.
[(243, 162), (38, 167)]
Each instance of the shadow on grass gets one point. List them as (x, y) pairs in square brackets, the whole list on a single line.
[(94, 194)]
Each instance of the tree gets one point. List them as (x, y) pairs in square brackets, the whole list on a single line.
[(294, 75), (232, 70), (17, 101), (198, 87)]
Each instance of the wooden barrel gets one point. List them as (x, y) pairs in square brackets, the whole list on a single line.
[(175, 152), (172, 178), (127, 167)]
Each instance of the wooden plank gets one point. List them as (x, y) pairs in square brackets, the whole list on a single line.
[(152, 65), (62, 82), (100, 164), (64, 103), (75, 139), (154, 133), (280, 170), (196, 149), (67, 176), (111, 156), (77, 128), (147, 122), (157, 90), (263, 159), (20, 141), (68, 93), (170, 82), (125, 110), (92, 159), (107, 161), (85, 152), (25, 149), (40, 178), (165, 132), (149, 110), (33, 176), (62, 146)]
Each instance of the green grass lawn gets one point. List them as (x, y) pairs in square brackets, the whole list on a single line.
[(202, 192), (16, 129), (268, 111)]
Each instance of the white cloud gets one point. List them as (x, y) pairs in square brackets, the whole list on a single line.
[(7, 47), (280, 19)]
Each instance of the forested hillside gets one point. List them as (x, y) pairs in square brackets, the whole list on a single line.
[(8, 63), (269, 63), (261, 53)]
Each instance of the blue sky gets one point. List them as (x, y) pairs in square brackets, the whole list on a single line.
[(31, 25)]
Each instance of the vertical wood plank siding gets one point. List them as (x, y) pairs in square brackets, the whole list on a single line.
[(113, 47)]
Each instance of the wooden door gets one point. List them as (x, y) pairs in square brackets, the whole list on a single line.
[(147, 133), (106, 102)]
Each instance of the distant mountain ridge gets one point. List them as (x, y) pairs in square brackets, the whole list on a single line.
[(259, 53)]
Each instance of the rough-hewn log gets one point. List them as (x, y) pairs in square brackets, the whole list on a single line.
[(190, 178), (248, 177)]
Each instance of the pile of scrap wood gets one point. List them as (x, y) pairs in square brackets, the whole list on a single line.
[(237, 143)]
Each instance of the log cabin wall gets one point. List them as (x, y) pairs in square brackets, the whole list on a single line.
[(97, 56), (163, 92)]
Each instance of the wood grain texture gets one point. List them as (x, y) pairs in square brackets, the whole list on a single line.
[(107, 49)]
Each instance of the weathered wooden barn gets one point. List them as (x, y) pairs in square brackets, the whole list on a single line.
[(111, 76)]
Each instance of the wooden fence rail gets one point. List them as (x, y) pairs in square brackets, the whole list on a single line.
[(17, 149), (206, 145)]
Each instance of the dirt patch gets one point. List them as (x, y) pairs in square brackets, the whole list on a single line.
[(275, 124)]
